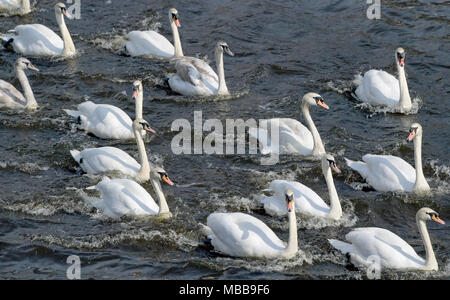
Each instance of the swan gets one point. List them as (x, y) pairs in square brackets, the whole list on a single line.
[(151, 43), (387, 173), (15, 7), (107, 121), (293, 136), (306, 200), (10, 97), (106, 159), (392, 251), (39, 40), (195, 77), (242, 235), (126, 197), (381, 88)]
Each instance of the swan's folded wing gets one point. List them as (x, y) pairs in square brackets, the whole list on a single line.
[(381, 87), (10, 91), (187, 71)]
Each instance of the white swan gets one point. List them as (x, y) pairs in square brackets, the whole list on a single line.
[(107, 121), (151, 43), (195, 77), (242, 235), (107, 159), (15, 7), (39, 40), (392, 251), (126, 197), (306, 200), (381, 88), (387, 173), (293, 136), (10, 97)]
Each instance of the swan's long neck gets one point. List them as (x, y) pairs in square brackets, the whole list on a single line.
[(292, 247), (163, 207), (26, 8), (29, 96), (318, 145), (421, 183), (430, 260), (335, 205), (405, 99), (176, 39), (139, 105), (223, 90), (69, 47), (144, 171)]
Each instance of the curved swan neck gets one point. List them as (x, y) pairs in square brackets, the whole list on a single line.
[(335, 205), (29, 96), (405, 99), (223, 90), (144, 171), (69, 47), (421, 183), (318, 148), (430, 260), (163, 207), (292, 247), (176, 39)]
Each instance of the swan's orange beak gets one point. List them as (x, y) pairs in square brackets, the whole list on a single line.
[(177, 21), (402, 61), (290, 205), (335, 168), (135, 94), (150, 130), (437, 219), (411, 135), (167, 180), (66, 13), (323, 104)]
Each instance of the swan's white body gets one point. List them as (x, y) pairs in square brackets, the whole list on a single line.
[(15, 7), (387, 173), (39, 40), (103, 120), (10, 97), (126, 197), (367, 245), (195, 77), (151, 43), (293, 136), (242, 235), (306, 200), (378, 87)]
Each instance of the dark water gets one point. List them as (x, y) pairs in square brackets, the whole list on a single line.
[(283, 50)]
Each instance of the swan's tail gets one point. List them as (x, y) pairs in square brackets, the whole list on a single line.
[(205, 230), (262, 136), (73, 113), (359, 166), (342, 246), (76, 155), (6, 42), (358, 80)]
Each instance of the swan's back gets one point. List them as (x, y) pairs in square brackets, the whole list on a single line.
[(379, 88), (143, 43), (10, 97), (392, 250), (37, 40), (124, 197), (242, 235)]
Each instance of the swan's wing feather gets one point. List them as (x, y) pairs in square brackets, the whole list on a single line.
[(10, 96), (104, 159), (142, 43), (379, 88), (37, 40), (187, 71), (389, 173), (294, 137)]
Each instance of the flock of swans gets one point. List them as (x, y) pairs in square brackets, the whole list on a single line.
[(234, 234)]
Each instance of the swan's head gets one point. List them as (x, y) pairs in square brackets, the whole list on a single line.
[(289, 195), (400, 57), (222, 47), (161, 175), (173, 16), (141, 124), (329, 162), (23, 64), (427, 214), (60, 9), (137, 89), (414, 130), (314, 99)]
